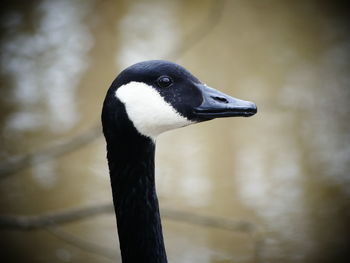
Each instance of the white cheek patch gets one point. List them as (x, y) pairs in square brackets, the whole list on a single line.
[(149, 112)]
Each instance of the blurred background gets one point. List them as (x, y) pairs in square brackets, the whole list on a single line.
[(271, 188)]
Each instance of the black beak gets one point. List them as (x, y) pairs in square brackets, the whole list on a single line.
[(216, 104)]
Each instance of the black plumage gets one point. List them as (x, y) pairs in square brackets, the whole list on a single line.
[(131, 155)]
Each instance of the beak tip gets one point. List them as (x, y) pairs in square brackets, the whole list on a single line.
[(254, 108)]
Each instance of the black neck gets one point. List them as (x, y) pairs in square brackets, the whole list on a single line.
[(131, 164)]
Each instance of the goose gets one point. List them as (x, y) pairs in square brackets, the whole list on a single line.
[(145, 100)]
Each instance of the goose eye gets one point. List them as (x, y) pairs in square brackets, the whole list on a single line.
[(164, 82)]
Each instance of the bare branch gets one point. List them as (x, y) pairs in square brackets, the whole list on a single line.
[(50, 221), (59, 148), (72, 215), (52, 218), (82, 244), (208, 221)]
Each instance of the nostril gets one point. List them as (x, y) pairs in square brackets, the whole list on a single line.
[(220, 99)]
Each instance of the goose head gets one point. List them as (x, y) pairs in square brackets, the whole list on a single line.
[(158, 96)]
